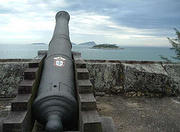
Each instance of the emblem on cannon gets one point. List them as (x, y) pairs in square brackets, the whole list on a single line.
[(59, 61)]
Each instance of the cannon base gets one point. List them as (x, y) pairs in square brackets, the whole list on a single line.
[(89, 120)]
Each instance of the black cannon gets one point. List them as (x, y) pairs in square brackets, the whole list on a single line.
[(55, 105)]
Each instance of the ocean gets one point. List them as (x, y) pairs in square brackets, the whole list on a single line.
[(28, 51)]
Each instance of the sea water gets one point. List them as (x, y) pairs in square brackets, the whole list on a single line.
[(28, 51)]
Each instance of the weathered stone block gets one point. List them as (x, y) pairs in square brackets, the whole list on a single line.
[(105, 76), (26, 86), (84, 86), (82, 73), (18, 122), (173, 71), (147, 78), (11, 73), (42, 52), (80, 63), (22, 102), (30, 73), (87, 102), (90, 121), (37, 61)]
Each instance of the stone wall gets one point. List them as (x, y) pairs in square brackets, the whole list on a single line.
[(115, 77), (136, 77), (11, 73)]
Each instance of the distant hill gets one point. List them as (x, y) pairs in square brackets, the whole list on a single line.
[(39, 44), (91, 43)]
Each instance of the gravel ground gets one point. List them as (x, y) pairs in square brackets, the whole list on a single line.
[(133, 114), (142, 114)]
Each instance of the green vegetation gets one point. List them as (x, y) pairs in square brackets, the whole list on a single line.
[(175, 46), (105, 46)]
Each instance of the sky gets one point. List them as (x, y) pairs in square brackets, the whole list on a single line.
[(122, 22)]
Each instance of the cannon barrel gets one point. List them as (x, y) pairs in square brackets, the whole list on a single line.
[(55, 105)]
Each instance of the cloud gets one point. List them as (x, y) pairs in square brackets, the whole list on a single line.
[(102, 27), (136, 13), (116, 21)]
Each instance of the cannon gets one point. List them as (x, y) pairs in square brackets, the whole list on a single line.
[(55, 105)]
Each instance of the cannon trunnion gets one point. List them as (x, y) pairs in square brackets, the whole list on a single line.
[(55, 104)]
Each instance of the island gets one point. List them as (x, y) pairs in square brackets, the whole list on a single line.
[(106, 46), (87, 44)]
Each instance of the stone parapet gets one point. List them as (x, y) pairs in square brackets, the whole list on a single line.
[(110, 76), (136, 77)]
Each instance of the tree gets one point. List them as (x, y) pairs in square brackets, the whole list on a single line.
[(175, 46)]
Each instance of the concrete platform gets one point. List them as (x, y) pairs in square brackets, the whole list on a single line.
[(140, 114)]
